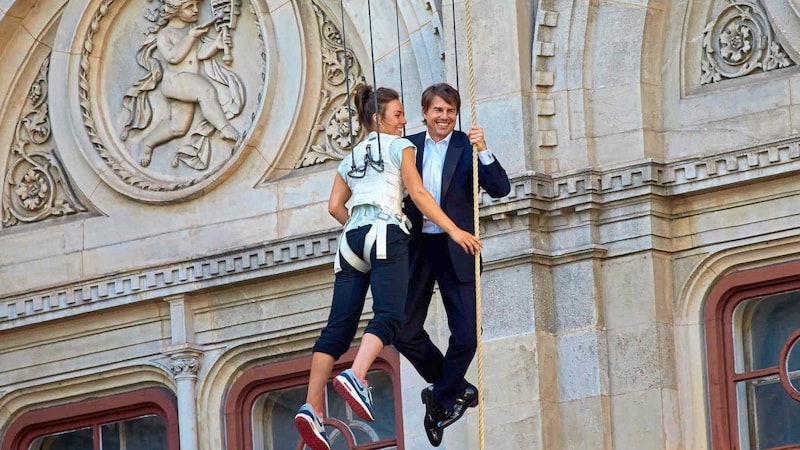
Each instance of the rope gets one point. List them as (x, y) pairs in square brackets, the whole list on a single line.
[(476, 217)]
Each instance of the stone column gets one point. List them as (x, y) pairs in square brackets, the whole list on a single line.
[(184, 365)]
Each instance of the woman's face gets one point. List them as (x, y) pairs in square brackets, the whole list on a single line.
[(393, 119)]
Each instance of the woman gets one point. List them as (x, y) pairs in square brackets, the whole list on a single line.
[(373, 251)]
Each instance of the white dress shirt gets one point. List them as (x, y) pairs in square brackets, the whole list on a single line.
[(432, 167)]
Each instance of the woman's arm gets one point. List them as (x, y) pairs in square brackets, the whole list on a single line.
[(426, 203), (340, 194)]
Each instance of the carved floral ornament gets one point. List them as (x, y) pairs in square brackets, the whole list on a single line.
[(337, 128), (739, 41), (36, 186)]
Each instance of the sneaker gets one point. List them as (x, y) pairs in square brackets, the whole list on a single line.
[(356, 393), (310, 426)]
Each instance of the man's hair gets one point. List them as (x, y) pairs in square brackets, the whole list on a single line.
[(447, 93)]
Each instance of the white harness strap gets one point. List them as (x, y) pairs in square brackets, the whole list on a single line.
[(376, 234)]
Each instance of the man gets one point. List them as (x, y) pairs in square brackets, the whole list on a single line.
[(444, 159)]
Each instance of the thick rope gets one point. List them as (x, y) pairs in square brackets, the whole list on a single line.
[(476, 217)]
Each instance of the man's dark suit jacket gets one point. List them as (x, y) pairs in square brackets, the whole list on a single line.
[(456, 199)]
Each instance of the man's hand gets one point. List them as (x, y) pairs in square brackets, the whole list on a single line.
[(476, 137), (468, 242)]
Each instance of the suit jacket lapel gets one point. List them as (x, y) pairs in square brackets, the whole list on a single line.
[(419, 141), (450, 162)]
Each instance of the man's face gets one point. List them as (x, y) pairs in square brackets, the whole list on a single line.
[(440, 118), (188, 11)]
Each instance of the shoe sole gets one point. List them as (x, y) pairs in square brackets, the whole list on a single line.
[(353, 399), (309, 434)]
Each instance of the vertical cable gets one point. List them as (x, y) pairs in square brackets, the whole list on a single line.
[(399, 54), (374, 76), (347, 84), (455, 53)]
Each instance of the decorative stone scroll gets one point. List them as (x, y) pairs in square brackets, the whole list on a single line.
[(36, 186), (738, 42), (337, 128), (167, 113)]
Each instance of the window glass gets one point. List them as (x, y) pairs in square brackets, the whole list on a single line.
[(69, 440), (141, 433), (766, 324), (767, 413), (273, 417)]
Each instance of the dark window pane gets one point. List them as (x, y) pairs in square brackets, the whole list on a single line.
[(69, 440), (273, 416), (766, 324), (141, 433), (772, 414)]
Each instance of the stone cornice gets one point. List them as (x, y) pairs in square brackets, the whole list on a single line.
[(531, 193), (540, 193), (246, 264)]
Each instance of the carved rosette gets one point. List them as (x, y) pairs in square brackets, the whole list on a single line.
[(166, 126), (337, 128), (183, 366), (36, 186), (738, 42)]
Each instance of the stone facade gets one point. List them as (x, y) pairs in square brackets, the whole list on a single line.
[(653, 148)]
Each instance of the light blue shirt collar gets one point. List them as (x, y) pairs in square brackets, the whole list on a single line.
[(445, 141)]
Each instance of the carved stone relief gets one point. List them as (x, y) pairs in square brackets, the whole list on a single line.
[(36, 186), (167, 112), (740, 41), (184, 365), (336, 125)]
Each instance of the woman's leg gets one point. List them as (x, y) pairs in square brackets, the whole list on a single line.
[(389, 281)]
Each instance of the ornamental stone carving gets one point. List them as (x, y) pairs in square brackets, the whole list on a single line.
[(36, 186), (182, 365), (337, 127), (168, 90), (740, 41)]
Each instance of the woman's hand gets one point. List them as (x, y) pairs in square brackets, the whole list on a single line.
[(468, 242)]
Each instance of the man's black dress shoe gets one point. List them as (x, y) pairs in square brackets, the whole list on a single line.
[(433, 414), (467, 399)]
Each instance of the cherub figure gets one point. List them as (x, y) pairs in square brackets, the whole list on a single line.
[(173, 54)]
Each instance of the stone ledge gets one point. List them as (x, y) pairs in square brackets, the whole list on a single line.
[(531, 193), (548, 193), (200, 274)]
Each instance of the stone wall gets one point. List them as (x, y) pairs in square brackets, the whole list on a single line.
[(646, 163)]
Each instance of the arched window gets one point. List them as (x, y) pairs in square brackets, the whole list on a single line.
[(752, 324), (146, 419), (261, 404)]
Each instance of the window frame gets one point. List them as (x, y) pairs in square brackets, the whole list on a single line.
[(721, 303), (259, 380), (93, 413)]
